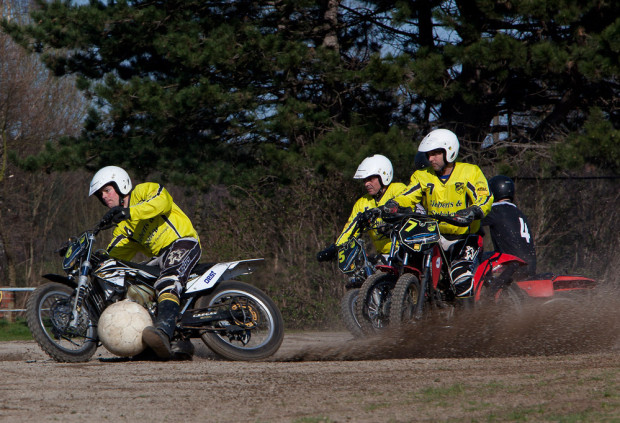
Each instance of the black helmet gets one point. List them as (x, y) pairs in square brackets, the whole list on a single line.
[(502, 187), (420, 161)]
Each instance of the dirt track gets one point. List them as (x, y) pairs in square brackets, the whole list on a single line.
[(552, 365)]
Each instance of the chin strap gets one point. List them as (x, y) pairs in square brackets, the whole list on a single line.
[(121, 200), (382, 191)]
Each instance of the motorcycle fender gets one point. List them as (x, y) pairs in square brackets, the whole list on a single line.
[(387, 269), (544, 288), (487, 267), (436, 263), (413, 270), (571, 283), (60, 279), (221, 271)]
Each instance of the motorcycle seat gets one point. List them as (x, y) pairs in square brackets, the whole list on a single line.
[(200, 268)]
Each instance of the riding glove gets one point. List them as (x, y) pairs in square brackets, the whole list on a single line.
[(368, 216), (116, 215), (328, 253), (391, 206), (466, 216)]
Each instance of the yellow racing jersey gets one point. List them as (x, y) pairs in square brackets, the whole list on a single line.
[(465, 187), (381, 242), (155, 221)]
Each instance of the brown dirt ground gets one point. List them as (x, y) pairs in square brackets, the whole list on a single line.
[(556, 364)]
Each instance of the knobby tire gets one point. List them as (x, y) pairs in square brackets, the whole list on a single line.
[(405, 300), (61, 346), (373, 317), (270, 319), (347, 312)]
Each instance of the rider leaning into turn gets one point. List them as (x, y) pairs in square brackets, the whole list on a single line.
[(148, 221), (455, 189), (377, 173), (509, 228)]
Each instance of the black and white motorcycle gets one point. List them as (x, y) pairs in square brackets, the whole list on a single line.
[(235, 320)]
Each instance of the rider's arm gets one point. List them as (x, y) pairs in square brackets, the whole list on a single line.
[(393, 190), (122, 247), (149, 200), (478, 191), (412, 195), (350, 228), (488, 220)]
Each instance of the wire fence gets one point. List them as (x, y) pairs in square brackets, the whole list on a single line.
[(8, 301)]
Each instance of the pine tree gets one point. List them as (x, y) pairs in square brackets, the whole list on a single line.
[(525, 70), (203, 91), (235, 91)]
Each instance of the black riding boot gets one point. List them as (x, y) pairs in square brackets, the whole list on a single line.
[(158, 337), (182, 350)]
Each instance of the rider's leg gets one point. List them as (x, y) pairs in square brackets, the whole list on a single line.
[(462, 266), (158, 337), (177, 262)]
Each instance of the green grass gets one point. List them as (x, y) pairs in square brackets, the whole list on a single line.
[(14, 331), (444, 391)]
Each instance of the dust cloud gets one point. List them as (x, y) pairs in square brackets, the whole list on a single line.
[(567, 325)]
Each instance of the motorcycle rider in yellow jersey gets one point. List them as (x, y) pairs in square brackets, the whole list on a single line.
[(148, 221), (377, 173), (455, 189)]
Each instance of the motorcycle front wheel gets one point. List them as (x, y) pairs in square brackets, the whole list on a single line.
[(257, 331), (347, 312), (405, 299), (48, 313), (372, 308)]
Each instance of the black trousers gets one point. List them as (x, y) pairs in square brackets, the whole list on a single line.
[(176, 264)]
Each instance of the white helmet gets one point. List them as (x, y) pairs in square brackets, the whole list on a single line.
[(444, 139), (111, 175), (375, 165)]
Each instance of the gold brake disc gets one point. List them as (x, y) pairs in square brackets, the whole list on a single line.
[(248, 310)]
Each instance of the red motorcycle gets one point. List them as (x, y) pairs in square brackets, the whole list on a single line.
[(549, 288), (419, 279), (429, 288), (543, 288)]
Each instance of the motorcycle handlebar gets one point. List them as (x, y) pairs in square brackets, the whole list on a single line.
[(100, 226), (366, 218), (405, 214)]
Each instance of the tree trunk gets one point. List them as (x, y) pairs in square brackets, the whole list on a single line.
[(331, 22)]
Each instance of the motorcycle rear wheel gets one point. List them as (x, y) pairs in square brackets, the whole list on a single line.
[(347, 312), (511, 298), (373, 303), (264, 328), (48, 313)]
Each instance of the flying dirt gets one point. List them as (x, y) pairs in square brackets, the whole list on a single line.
[(587, 324), (557, 362)]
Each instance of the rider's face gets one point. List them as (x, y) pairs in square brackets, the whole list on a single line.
[(435, 158), (372, 184), (109, 196)]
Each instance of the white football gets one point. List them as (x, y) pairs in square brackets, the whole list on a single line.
[(120, 328)]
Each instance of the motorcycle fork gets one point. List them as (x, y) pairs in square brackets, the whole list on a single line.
[(82, 287), (425, 284)]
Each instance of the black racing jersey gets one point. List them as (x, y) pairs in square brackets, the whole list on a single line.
[(511, 233)]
